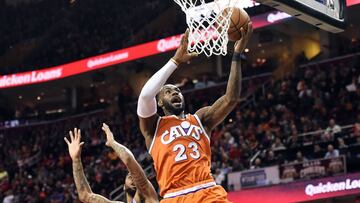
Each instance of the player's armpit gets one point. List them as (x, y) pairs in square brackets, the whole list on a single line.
[(213, 115), (147, 128), (95, 198)]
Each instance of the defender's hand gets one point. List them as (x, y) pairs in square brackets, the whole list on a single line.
[(245, 36), (182, 55), (109, 136), (74, 144)]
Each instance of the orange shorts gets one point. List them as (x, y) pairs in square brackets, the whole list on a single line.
[(215, 194)]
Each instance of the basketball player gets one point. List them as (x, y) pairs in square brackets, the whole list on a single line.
[(136, 183), (179, 143)]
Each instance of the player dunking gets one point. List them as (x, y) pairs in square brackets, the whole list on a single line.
[(179, 143)]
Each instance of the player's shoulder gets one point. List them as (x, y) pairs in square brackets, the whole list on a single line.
[(202, 112)]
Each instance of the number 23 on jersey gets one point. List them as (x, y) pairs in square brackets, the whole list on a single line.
[(181, 151)]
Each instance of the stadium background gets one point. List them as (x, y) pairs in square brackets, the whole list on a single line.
[(297, 79)]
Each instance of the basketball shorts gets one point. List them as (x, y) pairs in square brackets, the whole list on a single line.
[(215, 194)]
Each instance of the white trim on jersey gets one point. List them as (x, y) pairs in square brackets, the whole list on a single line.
[(202, 127), (153, 139), (189, 190)]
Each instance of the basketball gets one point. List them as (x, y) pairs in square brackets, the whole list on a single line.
[(239, 19)]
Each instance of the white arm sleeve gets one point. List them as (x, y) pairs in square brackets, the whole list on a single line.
[(147, 102)]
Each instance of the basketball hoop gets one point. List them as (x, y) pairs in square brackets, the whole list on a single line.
[(208, 25)]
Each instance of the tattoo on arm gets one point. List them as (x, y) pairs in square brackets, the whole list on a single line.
[(83, 186), (140, 180), (94, 198), (79, 177)]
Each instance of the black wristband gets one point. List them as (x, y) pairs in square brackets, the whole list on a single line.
[(236, 57)]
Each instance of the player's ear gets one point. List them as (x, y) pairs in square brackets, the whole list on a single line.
[(160, 103)]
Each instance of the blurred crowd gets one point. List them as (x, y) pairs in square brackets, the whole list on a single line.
[(35, 165), (296, 118)]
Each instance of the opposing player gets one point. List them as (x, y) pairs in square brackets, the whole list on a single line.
[(136, 181), (179, 143)]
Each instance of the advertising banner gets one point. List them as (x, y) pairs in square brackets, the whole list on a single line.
[(313, 169), (341, 185), (127, 54), (116, 57), (253, 178)]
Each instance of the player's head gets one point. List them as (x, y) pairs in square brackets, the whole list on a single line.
[(171, 100), (129, 185)]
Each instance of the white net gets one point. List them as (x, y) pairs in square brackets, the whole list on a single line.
[(208, 25)]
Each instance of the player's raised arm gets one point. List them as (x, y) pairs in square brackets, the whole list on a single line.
[(82, 186), (212, 115), (147, 107), (140, 180)]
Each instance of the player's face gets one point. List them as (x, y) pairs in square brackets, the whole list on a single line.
[(171, 99), (129, 185)]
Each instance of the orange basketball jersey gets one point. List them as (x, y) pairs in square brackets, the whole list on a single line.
[(182, 156)]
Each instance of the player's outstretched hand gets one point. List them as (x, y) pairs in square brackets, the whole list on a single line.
[(245, 36), (182, 55), (109, 135), (74, 144)]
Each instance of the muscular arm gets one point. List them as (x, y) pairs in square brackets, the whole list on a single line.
[(83, 187), (212, 115), (140, 180), (147, 106)]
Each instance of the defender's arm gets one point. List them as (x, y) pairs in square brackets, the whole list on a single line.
[(82, 186), (140, 180)]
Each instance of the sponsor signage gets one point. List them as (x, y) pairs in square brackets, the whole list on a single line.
[(254, 178), (89, 64), (313, 169), (125, 55), (116, 57), (352, 2), (341, 185)]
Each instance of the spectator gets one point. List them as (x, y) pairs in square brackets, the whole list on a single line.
[(333, 128), (9, 197), (271, 159), (257, 164), (219, 177), (331, 153), (336, 166), (318, 152), (278, 145), (293, 141), (300, 158), (343, 148), (289, 173)]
